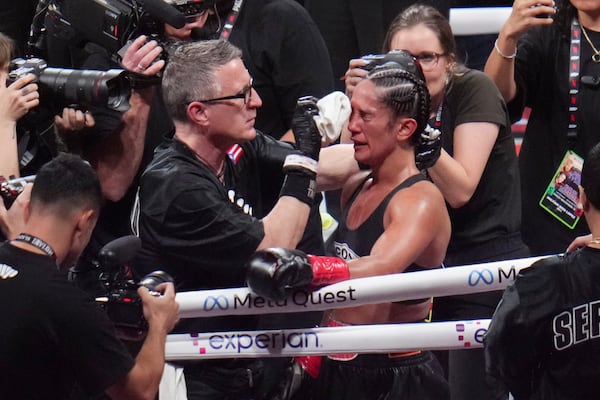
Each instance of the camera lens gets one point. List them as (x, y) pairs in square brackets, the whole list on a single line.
[(88, 87)]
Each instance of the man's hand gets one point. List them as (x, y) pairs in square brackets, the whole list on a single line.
[(73, 120), (160, 311), (579, 241), (18, 98), (69, 124), (142, 57), (12, 221)]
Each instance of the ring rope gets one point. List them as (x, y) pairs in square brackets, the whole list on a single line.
[(478, 20), (385, 338), (466, 279)]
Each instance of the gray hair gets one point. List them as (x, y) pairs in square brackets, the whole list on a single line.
[(190, 73)]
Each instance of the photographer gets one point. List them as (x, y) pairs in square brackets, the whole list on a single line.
[(118, 145), (16, 100), (55, 338)]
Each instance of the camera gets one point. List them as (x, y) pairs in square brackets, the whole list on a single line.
[(11, 188), (64, 87), (111, 24), (118, 287), (401, 57)]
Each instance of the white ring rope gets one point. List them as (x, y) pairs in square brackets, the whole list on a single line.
[(478, 20), (386, 338), (466, 279), (383, 338)]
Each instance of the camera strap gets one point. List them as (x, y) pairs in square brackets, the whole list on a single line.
[(231, 19), (36, 242), (574, 71)]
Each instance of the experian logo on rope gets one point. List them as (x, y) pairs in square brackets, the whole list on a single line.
[(299, 298), (274, 341)]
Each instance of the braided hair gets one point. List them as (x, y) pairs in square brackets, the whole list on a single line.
[(404, 92)]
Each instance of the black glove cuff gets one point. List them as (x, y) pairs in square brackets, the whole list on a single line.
[(299, 185)]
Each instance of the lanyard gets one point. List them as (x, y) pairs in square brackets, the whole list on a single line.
[(231, 19), (437, 123), (36, 242), (574, 71)]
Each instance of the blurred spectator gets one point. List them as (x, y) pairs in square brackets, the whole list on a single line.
[(16, 99), (354, 28), (15, 22), (542, 342), (531, 52)]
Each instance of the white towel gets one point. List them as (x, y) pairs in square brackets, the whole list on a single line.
[(334, 111), (172, 384)]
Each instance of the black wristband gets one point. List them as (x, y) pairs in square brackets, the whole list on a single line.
[(298, 185)]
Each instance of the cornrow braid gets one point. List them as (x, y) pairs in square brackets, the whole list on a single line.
[(404, 93)]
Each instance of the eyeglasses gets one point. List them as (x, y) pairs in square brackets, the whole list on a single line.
[(245, 94), (428, 60)]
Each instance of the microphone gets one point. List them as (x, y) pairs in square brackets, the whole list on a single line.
[(164, 12), (119, 252)]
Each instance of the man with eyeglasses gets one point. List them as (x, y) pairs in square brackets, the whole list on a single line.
[(199, 197), (282, 49)]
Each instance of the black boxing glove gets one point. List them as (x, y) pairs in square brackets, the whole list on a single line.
[(306, 132), (300, 166), (270, 272), (429, 148)]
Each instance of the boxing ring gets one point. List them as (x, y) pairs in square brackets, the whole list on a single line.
[(384, 338)]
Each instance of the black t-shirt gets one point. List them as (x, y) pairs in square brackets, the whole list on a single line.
[(51, 334), (542, 75), (544, 338), (493, 210), (15, 20), (285, 55), (202, 231)]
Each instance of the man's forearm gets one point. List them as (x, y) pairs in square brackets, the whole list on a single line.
[(143, 380), (118, 158)]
